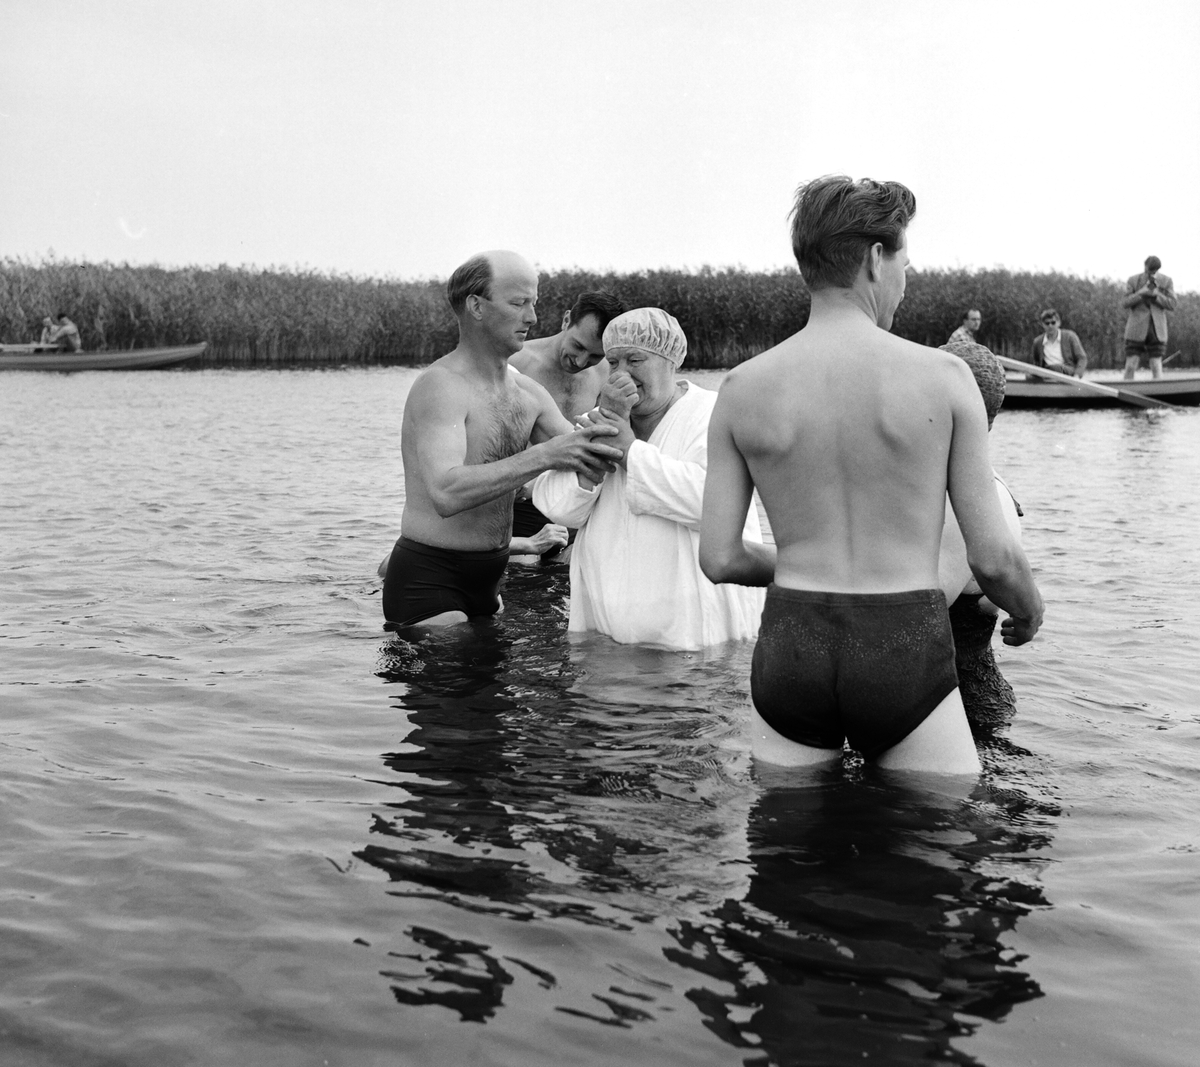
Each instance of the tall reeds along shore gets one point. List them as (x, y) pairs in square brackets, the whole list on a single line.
[(253, 317)]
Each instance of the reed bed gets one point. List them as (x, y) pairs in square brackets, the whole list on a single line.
[(275, 316)]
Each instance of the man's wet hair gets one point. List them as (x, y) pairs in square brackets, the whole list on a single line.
[(967, 313), (1048, 312), (835, 220), (599, 302), (473, 278), (1153, 263)]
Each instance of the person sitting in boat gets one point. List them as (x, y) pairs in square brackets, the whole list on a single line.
[(969, 327), (635, 568), (1058, 349), (47, 331), (988, 699), (66, 335)]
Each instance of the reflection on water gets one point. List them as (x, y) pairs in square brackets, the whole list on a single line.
[(567, 855), (872, 925), (818, 923)]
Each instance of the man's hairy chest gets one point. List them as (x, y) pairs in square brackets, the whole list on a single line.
[(498, 425)]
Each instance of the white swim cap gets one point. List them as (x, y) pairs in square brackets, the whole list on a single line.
[(647, 330)]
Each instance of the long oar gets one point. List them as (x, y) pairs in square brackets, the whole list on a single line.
[(1088, 387)]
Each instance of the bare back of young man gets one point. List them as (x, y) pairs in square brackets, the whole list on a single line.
[(853, 437), (474, 431)]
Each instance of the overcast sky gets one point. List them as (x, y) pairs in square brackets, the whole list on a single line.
[(395, 139)]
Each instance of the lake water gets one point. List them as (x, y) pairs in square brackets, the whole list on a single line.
[(241, 824)]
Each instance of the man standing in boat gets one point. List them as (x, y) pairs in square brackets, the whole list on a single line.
[(1057, 349), (475, 430), (1148, 298), (570, 365), (852, 438), (969, 327)]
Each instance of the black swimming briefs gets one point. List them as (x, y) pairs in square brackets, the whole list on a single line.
[(527, 521), (865, 667), (423, 581)]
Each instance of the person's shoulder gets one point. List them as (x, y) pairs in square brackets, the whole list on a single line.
[(441, 379), (529, 386), (522, 361), (1164, 280), (920, 355), (934, 367), (697, 396), (751, 373)]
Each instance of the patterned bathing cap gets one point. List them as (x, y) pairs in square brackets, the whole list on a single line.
[(647, 330), (989, 375)]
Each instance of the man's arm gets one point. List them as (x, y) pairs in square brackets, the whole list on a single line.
[(1134, 294), (1164, 295), (435, 421), (1078, 356), (725, 556), (995, 557)]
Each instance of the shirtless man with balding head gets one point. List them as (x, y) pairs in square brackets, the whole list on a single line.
[(474, 431), (852, 437)]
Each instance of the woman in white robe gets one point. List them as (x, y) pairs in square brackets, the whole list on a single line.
[(635, 571)]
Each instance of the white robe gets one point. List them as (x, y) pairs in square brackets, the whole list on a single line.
[(635, 567)]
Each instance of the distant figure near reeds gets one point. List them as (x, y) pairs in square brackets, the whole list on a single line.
[(475, 430), (853, 437), (971, 321), (66, 335), (1148, 298), (47, 331)]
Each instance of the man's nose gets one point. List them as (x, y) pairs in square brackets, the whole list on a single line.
[(530, 315)]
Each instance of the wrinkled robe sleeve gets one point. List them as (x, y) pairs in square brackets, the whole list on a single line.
[(559, 496), (664, 486)]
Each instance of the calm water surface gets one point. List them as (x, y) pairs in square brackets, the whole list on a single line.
[(241, 824)]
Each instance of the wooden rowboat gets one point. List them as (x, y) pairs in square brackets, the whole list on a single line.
[(45, 357), (1181, 389)]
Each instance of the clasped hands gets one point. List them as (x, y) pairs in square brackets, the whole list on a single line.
[(617, 398)]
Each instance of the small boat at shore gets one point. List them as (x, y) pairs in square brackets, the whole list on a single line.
[(46, 357), (1179, 389)]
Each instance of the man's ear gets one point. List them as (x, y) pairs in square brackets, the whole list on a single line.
[(566, 318), (474, 306), (875, 256)]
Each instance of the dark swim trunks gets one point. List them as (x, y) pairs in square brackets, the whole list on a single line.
[(423, 581), (865, 667), (527, 521)]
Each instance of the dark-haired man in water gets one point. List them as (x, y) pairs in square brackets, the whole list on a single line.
[(474, 431), (571, 367), (852, 437)]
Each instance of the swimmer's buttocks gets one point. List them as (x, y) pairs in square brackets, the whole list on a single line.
[(867, 668)]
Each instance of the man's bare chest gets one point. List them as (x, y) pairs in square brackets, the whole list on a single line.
[(499, 424), (576, 394)]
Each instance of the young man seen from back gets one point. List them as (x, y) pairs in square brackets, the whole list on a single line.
[(852, 437)]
